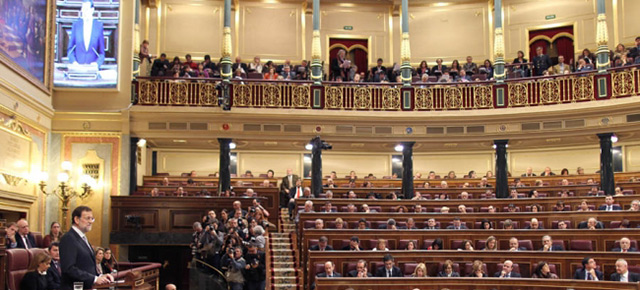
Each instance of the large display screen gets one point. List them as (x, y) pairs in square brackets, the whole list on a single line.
[(86, 44), (23, 25)]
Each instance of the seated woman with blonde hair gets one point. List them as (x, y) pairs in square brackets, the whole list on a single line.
[(382, 245), (36, 277), (420, 271), (477, 270)]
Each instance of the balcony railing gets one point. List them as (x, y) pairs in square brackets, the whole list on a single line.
[(523, 92)]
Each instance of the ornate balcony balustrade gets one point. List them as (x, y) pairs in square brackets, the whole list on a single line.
[(561, 89)]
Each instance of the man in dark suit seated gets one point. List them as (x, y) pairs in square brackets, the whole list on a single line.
[(622, 273), (76, 254), (609, 206), (625, 246), (376, 71), (11, 237), (591, 224), (432, 225), (514, 245), (322, 245), (507, 271), (457, 225), (391, 225), (160, 66), (534, 224), (588, 271), (54, 272), (548, 246), (411, 225), (328, 271), (360, 271), (24, 238), (354, 244), (389, 269), (240, 65)]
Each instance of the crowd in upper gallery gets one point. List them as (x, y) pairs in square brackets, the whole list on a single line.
[(344, 70)]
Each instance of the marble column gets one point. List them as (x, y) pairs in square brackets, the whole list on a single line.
[(498, 43), (607, 183), (405, 46), (502, 176), (407, 169), (224, 179)]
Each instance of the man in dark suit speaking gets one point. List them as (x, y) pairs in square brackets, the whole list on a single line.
[(86, 42), (77, 258)]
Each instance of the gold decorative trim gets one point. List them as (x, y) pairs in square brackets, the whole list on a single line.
[(405, 48), (14, 126), (226, 42), (498, 46), (348, 49), (602, 35), (316, 46), (12, 180)]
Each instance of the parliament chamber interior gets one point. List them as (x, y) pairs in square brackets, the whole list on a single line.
[(319, 144)]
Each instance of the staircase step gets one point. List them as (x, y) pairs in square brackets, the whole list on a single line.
[(277, 259), (289, 272), (285, 286), (285, 280), (280, 239), (278, 265)]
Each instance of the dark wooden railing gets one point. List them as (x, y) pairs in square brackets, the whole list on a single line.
[(519, 92)]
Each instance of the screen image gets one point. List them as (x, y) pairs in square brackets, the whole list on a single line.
[(23, 26), (86, 43)]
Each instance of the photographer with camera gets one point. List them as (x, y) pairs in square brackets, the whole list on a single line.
[(211, 243), (234, 264), (195, 239), (254, 273)]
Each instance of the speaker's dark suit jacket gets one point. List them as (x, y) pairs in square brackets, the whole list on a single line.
[(77, 260), (511, 275), (631, 249), (20, 243), (614, 207), (631, 277)]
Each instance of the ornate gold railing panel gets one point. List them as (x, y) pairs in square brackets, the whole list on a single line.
[(391, 97)]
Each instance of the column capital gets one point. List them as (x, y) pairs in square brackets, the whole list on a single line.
[(501, 142), (605, 135)]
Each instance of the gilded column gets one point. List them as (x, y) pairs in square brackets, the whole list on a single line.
[(602, 39), (405, 46), (316, 49), (226, 43), (498, 45)]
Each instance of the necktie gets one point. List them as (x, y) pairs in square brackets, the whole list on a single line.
[(623, 278), (26, 242), (84, 238), (508, 275), (588, 276), (298, 192), (388, 273), (624, 251), (55, 263), (608, 208)]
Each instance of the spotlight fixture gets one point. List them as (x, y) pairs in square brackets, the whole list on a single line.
[(232, 145), (308, 146), (142, 142), (614, 138), (399, 148)]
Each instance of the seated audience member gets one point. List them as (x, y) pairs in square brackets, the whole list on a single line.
[(319, 224), (54, 235), (548, 246), (339, 224), (390, 225), (420, 271), (451, 175), (155, 192), (432, 175), (327, 207), (381, 246), (23, 237), (426, 184), (562, 225), (559, 206), (466, 246), (491, 244), (514, 245), (108, 262), (308, 207), (378, 70), (362, 224), (584, 206), (508, 225), (256, 65), (360, 271), (623, 274), (239, 65), (486, 68), (635, 205), (330, 183), (287, 74), (547, 172), (444, 184), (462, 77), (389, 269), (543, 271), (625, 246), (55, 270), (411, 245), (36, 278), (329, 194), (536, 207), (436, 244), (417, 196), (485, 224), (462, 208), (354, 244), (457, 225), (477, 270), (609, 206), (439, 68), (401, 209), (271, 74), (533, 193), (352, 195), (517, 182), (491, 209), (507, 271), (470, 67), (512, 208), (423, 70), (588, 271), (432, 225), (410, 225), (513, 194), (444, 209), (464, 195), (160, 66), (529, 172), (447, 270), (329, 272), (534, 224), (564, 172), (583, 65), (618, 191)]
